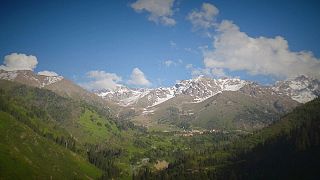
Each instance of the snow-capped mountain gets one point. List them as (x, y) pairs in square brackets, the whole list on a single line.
[(202, 88), (122, 94), (28, 77), (199, 89), (302, 89)]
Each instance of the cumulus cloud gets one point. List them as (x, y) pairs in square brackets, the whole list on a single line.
[(47, 73), (160, 10), (204, 18), (102, 80), (16, 61), (236, 51), (138, 78)]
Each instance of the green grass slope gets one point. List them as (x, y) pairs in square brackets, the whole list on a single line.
[(26, 155)]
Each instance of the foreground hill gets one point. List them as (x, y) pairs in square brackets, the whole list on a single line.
[(26, 154), (47, 135), (289, 149)]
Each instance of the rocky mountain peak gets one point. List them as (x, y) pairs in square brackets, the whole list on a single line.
[(199, 88), (301, 88)]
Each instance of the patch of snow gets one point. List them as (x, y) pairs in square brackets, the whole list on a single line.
[(166, 97), (304, 96), (146, 111), (8, 75), (50, 80), (301, 89)]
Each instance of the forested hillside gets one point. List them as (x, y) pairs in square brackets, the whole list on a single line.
[(288, 149)]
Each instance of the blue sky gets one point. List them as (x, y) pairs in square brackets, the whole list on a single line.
[(87, 41)]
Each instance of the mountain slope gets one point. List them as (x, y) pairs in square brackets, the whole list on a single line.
[(57, 84), (55, 115), (302, 89), (289, 149), (25, 154), (115, 147), (251, 107)]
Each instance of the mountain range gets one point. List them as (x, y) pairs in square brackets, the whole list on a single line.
[(201, 102), (212, 103), (51, 128)]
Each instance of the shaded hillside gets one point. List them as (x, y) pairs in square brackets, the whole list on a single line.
[(289, 149)]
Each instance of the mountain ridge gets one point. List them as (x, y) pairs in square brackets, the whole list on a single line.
[(301, 89)]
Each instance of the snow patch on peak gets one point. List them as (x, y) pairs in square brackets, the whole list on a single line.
[(200, 89), (50, 80), (163, 94), (302, 89), (8, 75)]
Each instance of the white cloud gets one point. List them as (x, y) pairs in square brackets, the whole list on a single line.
[(237, 51), (168, 63), (160, 10), (47, 73), (16, 61), (218, 72), (195, 71), (102, 80), (204, 18), (138, 78)]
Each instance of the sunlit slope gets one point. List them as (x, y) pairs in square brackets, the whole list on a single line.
[(26, 155)]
